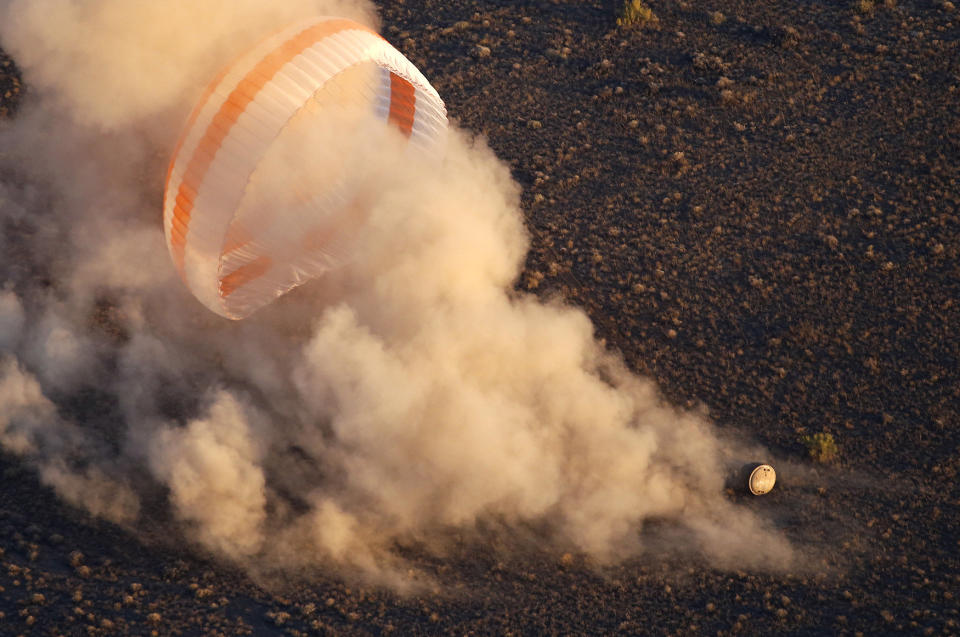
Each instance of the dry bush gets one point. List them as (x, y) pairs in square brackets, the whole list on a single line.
[(821, 447), (636, 13)]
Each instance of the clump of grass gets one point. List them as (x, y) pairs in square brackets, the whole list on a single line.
[(636, 13), (863, 6), (821, 447)]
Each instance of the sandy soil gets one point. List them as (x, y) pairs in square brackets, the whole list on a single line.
[(759, 205)]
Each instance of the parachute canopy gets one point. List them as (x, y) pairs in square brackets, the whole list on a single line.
[(260, 189)]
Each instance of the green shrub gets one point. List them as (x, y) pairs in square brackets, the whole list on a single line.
[(821, 447), (635, 13)]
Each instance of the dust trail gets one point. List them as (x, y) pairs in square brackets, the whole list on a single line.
[(411, 392)]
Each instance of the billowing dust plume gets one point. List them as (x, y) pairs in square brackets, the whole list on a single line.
[(411, 393)]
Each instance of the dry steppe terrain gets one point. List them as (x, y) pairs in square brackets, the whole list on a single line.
[(758, 203)]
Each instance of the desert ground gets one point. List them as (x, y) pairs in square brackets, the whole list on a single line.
[(758, 204)]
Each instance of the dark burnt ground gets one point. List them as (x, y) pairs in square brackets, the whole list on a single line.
[(761, 210), (10, 86)]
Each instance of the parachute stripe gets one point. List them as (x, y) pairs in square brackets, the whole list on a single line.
[(244, 274), (230, 110), (207, 93), (403, 100)]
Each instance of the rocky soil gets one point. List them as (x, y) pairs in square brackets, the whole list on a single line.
[(759, 205)]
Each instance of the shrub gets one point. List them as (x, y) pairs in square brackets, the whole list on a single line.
[(821, 447), (635, 13)]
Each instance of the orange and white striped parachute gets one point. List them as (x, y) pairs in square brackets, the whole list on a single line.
[(244, 220)]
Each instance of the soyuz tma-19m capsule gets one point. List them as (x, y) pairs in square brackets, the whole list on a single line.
[(761, 479), (754, 477)]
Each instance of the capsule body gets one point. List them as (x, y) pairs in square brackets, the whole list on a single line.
[(755, 478)]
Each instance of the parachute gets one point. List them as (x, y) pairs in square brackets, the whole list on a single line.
[(259, 191)]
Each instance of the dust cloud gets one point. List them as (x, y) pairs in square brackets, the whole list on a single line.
[(411, 392)]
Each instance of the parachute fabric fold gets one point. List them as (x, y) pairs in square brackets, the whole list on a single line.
[(244, 222)]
